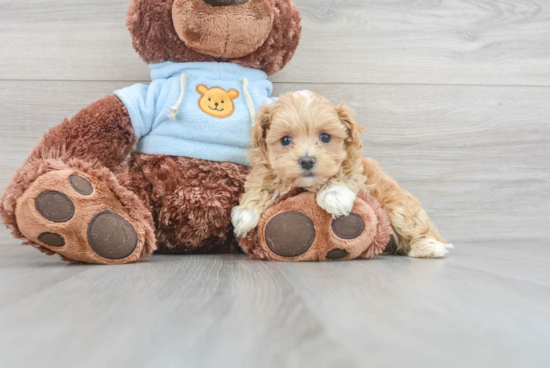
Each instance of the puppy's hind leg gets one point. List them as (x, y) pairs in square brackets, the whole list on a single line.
[(418, 236)]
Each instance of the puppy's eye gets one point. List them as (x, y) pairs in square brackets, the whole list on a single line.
[(223, 101), (285, 141), (326, 138), (209, 99)]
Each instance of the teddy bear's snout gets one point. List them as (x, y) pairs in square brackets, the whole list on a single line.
[(223, 28), (225, 2)]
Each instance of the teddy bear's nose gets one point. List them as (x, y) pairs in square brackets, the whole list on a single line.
[(216, 104), (225, 2)]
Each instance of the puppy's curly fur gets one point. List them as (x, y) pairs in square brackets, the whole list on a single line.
[(302, 140)]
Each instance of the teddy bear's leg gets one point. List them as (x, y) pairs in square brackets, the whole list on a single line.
[(191, 201), (416, 233), (65, 198), (86, 216), (297, 230)]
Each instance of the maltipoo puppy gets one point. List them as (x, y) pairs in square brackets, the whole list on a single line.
[(303, 141)]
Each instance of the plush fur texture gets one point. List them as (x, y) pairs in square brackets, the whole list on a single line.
[(156, 40), (369, 244), (245, 27), (100, 134), (336, 174), (191, 200)]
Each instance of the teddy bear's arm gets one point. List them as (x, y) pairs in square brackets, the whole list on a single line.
[(100, 133)]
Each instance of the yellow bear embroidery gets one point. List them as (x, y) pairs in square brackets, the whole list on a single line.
[(216, 101)]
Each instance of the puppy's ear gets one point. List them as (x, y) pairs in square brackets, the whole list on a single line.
[(347, 117), (262, 122)]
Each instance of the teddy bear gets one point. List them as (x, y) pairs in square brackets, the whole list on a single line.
[(158, 167)]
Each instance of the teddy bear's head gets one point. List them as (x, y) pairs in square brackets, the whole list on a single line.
[(261, 34)]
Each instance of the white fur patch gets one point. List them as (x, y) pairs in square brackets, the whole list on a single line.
[(244, 220), (429, 248), (307, 94), (336, 200)]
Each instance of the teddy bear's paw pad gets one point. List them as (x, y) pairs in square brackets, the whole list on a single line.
[(290, 234), (337, 254), (55, 206), (81, 185), (348, 227), (111, 236), (55, 240)]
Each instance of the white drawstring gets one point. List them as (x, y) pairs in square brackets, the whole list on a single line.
[(248, 99), (174, 109)]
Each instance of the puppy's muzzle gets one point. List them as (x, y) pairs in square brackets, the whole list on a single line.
[(307, 163)]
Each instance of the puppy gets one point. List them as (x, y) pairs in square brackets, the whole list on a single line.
[(303, 141)]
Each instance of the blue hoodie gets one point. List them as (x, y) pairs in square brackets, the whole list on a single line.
[(198, 110)]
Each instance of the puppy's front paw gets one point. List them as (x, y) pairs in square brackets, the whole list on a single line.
[(244, 220), (336, 200), (429, 248)]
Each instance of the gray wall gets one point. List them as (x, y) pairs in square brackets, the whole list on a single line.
[(455, 95)]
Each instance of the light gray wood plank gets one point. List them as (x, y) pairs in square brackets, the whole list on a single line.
[(212, 311), (477, 157), (354, 41)]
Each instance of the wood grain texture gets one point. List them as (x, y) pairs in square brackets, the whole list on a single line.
[(496, 42), (486, 306), (477, 157)]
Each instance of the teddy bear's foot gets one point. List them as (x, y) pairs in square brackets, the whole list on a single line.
[(297, 230), (292, 234), (77, 216)]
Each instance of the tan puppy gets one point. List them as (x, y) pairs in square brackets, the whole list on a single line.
[(303, 141)]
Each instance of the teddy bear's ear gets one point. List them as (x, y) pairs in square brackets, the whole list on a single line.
[(202, 89), (233, 94), (261, 125)]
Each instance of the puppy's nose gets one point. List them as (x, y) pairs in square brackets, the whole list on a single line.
[(216, 104), (307, 162), (225, 2)]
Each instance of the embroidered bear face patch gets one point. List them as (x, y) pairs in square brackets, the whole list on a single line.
[(216, 101)]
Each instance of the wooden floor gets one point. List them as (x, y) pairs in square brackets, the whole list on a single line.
[(486, 306), (455, 97)]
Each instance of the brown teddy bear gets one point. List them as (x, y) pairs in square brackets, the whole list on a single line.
[(158, 167)]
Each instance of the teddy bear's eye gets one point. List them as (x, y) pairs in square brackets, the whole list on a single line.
[(325, 138), (285, 141), (223, 101), (209, 99)]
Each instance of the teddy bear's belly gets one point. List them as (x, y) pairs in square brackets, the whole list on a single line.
[(191, 200)]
